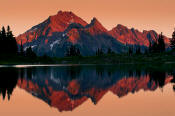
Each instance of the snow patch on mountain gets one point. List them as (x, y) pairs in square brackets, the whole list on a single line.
[(29, 46), (64, 34), (55, 42), (33, 29)]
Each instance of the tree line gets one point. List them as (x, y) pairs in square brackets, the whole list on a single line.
[(9, 46), (75, 51), (172, 41), (157, 46), (27, 53)]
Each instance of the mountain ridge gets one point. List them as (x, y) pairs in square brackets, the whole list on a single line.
[(54, 35)]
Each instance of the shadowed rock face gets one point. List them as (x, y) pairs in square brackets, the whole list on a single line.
[(66, 88), (59, 32)]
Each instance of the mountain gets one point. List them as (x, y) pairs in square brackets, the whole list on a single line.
[(96, 28), (55, 23), (135, 37), (91, 37), (56, 34)]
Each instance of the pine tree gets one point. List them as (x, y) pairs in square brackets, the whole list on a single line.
[(154, 47), (172, 41), (157, 46), (21, 49), (29, 53), (146, 51), (138, 50), (150, 47), (161, 43), (3, 44), (99, 52), (3, 32), (78, 52), (73, 51), (67, 52), (130, 51), (109, 51), (8, 44), (11, 42)]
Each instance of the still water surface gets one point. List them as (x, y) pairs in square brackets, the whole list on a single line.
[(86, 91)]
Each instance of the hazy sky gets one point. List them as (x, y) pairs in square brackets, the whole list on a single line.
[(158, 15)]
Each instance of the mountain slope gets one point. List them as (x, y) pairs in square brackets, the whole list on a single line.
[(56, 34), (135, 37), (56, 23), (92, 37)]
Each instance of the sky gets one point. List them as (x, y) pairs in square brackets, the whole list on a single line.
[(158, 15)]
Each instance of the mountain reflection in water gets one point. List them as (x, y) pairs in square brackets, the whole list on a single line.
[(67, 87)]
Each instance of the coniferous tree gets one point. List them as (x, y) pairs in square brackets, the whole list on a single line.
[(130, 51), (138, 50), (146, 51), (73, 51), (78, 52), (172, 41), (3, 32), (29, 53), (8, 44), (1, 42), (8, 31), (21, 49), (67, 52), (161, 43), (109, 51), (150, 47), (3, 45), (155, 47), (99, 52), (11, 42)]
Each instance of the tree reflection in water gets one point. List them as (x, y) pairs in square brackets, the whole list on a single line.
[(8, 81), (67, 87)]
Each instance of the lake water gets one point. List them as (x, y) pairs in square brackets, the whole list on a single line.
[(86, 90)]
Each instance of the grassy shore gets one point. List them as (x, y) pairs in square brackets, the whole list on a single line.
[(156, 58), (167, 57), (15, 60)]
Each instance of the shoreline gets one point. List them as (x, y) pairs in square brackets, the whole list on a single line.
[(111, 59)]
